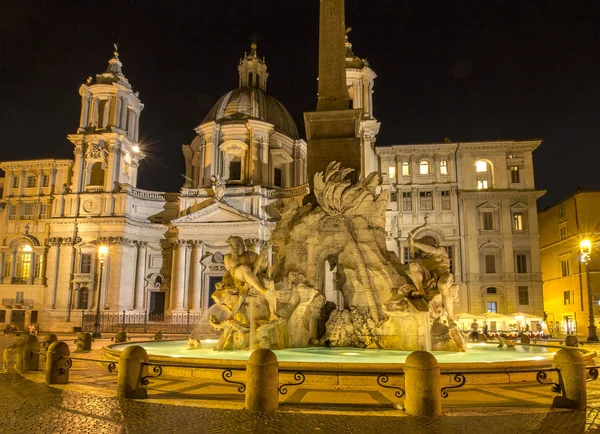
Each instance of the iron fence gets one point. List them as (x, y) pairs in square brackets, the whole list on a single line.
[(136, 322)]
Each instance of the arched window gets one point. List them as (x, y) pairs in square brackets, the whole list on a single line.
[(24, 253), (424, 167), (84, 293), (484, 175), (96, 174)]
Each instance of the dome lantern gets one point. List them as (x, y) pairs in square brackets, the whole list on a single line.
[(253, 70)]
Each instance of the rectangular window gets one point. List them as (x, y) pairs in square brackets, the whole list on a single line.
[(392, 172), (445, 199), (563, 232), (405, 169), (523, 295), (276, 177), (450, 251), (490, 264), (561, 211), (425, 200), (565, 268), (39, 265), (488, 221), (15, 182), (405, 255), (12, 211), (424, 167), (31, 181), (33, 319), (212, 286), (45, 180), (518, 221), (521, 263), (482, 184), (235, 170), (393, 197), (86, 263), (27, 210), (43, 211), (492, 290), (20, 297), (443, 167), (406, 201), (568, 297), (492, 306), (515, 177), (2, 316)]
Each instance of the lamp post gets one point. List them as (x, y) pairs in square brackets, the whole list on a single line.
[(585, 247), (102, 251)]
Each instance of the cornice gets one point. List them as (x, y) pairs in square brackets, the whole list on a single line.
[(500, 194)]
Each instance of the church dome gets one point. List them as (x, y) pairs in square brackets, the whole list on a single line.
[(252, 103)]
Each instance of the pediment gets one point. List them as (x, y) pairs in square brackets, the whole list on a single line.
[(488, 205), (217, 212), (519, 205)]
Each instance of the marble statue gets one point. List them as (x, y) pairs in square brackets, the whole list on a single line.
[(384, 303)]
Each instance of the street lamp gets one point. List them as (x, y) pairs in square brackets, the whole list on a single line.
[(585, 247), (102, 251)]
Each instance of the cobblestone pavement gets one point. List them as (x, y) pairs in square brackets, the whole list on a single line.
[(33, 407), (29, 407)]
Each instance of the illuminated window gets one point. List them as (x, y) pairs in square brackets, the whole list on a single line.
[(406, 201), (443, 167), (23, 263), (425, 200), (515, 177), (481, 166), (450, 251), (523, 295), (445, 194), (43, 211), (424, 167), (518, 221), (492, 306), (405, 169), (392, 172), (568, 297), (482, 184)]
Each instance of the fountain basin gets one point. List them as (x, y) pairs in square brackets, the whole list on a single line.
[(347, 368)]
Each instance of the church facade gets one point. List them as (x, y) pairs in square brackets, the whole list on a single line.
[(165, 250)]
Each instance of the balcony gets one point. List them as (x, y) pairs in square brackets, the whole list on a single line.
[(17, 303)]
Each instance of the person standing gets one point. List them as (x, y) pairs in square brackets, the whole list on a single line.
[(474, 330)]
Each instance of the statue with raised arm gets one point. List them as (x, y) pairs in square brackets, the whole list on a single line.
[(243, 266)]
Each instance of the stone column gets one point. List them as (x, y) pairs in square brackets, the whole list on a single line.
[(140, 270), (55, 251), (2, 259), (196, 268), (178, 275), (123, 121), (85, 111), (118, 109)]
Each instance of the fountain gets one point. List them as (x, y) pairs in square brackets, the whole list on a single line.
[(387, 306)]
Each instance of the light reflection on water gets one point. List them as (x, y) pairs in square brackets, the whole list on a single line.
[(477, 353)]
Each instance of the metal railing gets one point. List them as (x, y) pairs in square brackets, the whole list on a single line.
[(541, 375), (133, 322)]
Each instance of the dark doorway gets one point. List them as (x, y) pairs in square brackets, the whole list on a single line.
[(18, 318), (157, 303), (212, 285)]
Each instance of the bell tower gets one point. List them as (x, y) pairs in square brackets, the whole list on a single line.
[(107, 151)]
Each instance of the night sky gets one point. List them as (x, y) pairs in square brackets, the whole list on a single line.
[(466, 70)]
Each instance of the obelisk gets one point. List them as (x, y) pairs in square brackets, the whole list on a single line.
[(332, 131)]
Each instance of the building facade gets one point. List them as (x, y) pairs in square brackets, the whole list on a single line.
[(563, 227), (166, 249), (479, 202)]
